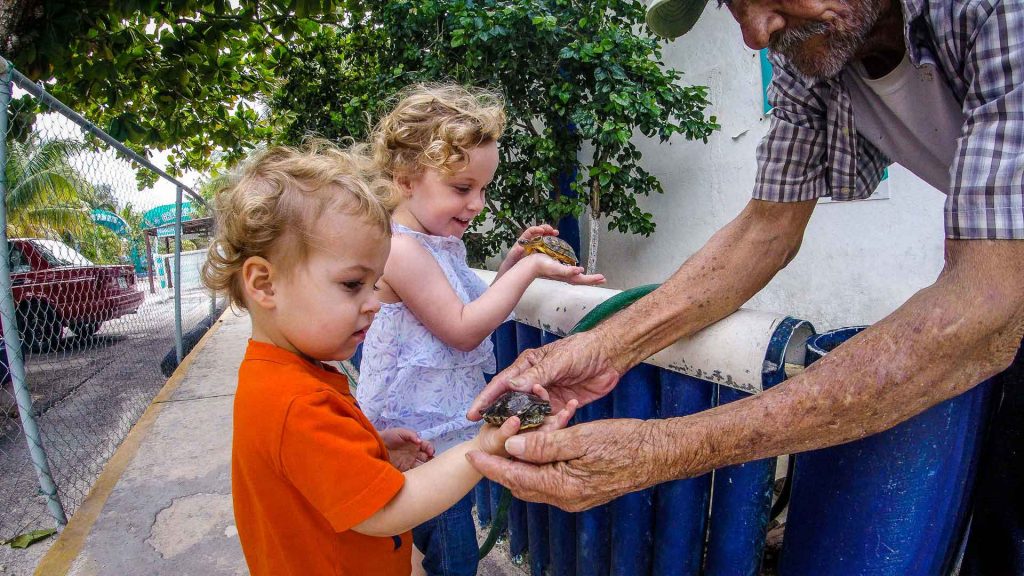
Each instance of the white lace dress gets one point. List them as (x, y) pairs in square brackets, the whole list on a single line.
[(408, 377)]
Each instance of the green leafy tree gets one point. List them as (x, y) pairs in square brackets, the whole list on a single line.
[(48, 197), (100, 245), (44, 190), (136, 243), (581, 80), (207, 189), (102, 196), (183, 75), (188, 75), (135, 221)]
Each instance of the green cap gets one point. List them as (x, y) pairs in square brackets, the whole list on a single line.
[(673, 18)]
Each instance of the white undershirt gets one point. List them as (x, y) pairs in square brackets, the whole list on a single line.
[(911, 115)]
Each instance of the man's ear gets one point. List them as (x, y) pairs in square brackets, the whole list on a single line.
[(258, 281)]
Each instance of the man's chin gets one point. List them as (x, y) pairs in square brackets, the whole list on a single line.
[(817, 66), (817, 72), (823, 57)]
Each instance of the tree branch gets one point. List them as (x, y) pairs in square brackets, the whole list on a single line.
[(496, 212), (528, 126)]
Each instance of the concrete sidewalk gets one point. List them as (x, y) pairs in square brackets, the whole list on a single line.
[(162, 505)]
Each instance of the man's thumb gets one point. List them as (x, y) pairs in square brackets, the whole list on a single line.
[(541, 447)]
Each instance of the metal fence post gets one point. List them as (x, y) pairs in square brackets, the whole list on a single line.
[(178, 345), (213, 307), (12, 339)]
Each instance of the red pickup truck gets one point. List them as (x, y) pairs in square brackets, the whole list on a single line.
[(55, 287)]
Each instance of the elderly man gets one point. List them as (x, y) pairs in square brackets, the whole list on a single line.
[(937, 86)]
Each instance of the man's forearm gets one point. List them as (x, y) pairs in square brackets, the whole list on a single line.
[(942, 342), (734, 265)]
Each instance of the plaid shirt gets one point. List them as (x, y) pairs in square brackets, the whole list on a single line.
[(813, 149)]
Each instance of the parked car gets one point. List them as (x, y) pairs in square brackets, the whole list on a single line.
[(56, 287)]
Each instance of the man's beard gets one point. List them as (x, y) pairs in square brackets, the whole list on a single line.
[(846, 36)]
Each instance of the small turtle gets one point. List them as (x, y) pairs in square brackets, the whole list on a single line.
[(530, 408), (552, 246)]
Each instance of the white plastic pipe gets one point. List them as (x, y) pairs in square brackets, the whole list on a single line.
[(731, 352)]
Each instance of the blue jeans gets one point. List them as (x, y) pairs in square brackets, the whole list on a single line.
[(448, 542)]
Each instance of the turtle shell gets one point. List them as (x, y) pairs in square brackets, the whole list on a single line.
[(530, 408), (552, 246)]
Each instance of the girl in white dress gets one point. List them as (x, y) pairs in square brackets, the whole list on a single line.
[(426, 352)]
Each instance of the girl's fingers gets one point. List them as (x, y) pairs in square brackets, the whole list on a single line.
[(560, 271), (535, 231), (588, 279)]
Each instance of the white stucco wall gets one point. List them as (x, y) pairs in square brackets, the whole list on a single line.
[(859, 260)]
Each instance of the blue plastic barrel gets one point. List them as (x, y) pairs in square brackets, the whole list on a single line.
[(536, 514), (505, 353), (681, 506), (743, 493), (561, 524), (894, 503), (568, 225), (632, 515), (739, 513), (593, 527)]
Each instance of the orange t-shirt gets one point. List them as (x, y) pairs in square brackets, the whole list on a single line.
[(307, 466)]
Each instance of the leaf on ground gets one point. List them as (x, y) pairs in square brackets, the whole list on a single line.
[(29, 538)]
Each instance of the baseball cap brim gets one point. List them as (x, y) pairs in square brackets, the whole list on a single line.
[(673, 18)]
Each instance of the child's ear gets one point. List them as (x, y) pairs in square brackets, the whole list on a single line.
[(404, 182), (257, 281)]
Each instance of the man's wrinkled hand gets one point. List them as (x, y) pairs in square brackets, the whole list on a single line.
[(575, 368), (576, 468)]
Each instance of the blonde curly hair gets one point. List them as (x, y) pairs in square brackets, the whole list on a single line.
[(269, 203), (434, 126)]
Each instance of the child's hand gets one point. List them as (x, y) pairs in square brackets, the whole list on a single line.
[(545, 266), (491, 439), (516, 252), (406, 449)]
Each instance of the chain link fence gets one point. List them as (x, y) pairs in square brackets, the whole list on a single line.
[(91, 299)]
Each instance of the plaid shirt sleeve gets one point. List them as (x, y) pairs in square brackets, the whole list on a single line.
[(791, 159), (986, 198), (812, 148)]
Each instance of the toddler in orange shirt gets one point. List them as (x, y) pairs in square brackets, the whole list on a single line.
[(302, 237)]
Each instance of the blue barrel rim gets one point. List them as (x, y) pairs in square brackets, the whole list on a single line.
[(819, 345), (790, 331)]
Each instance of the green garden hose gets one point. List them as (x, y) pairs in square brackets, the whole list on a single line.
[(611, 306), (591, 319)]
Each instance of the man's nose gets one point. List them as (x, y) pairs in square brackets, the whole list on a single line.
[(758, 21)]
